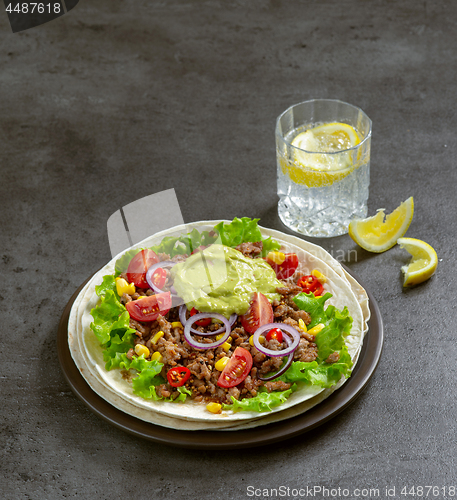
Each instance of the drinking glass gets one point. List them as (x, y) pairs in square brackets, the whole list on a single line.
[(321, 190)]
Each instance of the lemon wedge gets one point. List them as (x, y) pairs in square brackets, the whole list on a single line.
[(423, 263), (381, 232)]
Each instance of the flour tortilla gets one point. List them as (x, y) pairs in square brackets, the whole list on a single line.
[(87, 352)]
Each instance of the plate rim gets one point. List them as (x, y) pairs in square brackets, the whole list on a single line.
[(338, 401)]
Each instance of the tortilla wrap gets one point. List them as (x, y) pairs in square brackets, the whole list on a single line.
[(87, 352)]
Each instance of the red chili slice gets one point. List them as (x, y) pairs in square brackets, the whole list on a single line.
[(310, 284), (201, 322), (178, 376)]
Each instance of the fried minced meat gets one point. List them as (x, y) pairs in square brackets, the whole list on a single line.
[(250, 249), (202, 383)]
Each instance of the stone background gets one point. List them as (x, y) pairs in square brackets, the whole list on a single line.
[(120, 99)]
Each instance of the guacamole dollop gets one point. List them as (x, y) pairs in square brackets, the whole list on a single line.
[(221, 279)]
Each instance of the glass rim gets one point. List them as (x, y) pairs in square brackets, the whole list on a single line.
[(281, 136)]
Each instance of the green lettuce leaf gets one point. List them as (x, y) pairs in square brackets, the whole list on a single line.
[(148, 377), (264, 401), (184, 392), (269, 245), (242, 231), (108, 283), (314, 306), (108, 316), (186, 244), (239, 231), (115, 351), (337, 325), (321, 374)]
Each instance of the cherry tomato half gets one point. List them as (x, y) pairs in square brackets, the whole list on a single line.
[(141, 262), (311, 284), (159, 278), (275, 333), (259, 313), (287, 268), (237, 369), (202, 322), (178, 376), (149, 308)]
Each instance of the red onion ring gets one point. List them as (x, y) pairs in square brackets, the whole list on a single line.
[(284, 368), (152, 269), (198, 345), (283, 327), (184, 320)]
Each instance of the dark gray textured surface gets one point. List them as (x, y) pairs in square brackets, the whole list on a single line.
[(120, 99)]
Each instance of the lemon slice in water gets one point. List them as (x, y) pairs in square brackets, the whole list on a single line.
[(312, 169), (327, 138), (381, 232), (423, 263)]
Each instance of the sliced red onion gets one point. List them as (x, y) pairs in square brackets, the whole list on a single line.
[(284, 368), (199, 345), (284, 328), (182, 317), (152, 269)]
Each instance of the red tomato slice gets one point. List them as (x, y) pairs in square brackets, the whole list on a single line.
[(178, 376), (159, 278), (149, 308), (310, 284), (275, 333), (201, 322), (259, 313), (287, 268), (141, 262), (237, 369)]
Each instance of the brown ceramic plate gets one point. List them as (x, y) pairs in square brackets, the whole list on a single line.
[(266, 434)]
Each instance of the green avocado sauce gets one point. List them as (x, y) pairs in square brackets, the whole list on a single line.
[(221, 279)]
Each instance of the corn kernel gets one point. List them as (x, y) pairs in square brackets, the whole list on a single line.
[(317, 274), (218, 337), (226, 346), (302, 326), (316, 329), (157, 357), (123, 287), (276, 257), (176, 324), (214, 407), (261, 340), (142, 349), (221, 363), (156, 337)]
